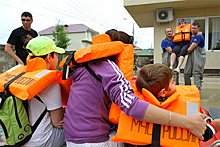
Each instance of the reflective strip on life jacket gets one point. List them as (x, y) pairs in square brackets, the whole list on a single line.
[(185, 101), (182, 34)]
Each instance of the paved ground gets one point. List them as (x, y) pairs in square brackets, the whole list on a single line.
[(210, 93)]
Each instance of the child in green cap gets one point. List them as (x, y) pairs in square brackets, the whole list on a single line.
[(49, 132)]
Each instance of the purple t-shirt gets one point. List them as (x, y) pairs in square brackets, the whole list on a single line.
[(86, 116)]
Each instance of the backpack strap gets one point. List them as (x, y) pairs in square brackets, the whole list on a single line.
[(34, 127), (66, 65), (92, 72)]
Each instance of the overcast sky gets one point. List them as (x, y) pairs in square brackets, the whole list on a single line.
[(99, 15)]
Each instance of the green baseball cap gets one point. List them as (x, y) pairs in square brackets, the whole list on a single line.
[(41, 45)]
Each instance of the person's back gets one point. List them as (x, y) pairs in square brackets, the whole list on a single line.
[(44, 53), (86, 116), (154, 78), (158, 80), (118, 90), (86, 107)]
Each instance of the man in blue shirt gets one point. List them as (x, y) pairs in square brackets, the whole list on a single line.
[(167, 45), (196, 58)]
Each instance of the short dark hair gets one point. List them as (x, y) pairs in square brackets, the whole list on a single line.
[(44, 56), (196, 24), (154, 77), (26, 14)]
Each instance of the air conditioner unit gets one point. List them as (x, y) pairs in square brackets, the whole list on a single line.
[(164, 15)]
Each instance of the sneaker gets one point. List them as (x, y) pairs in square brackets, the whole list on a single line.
[(177, 70), (171, 68)]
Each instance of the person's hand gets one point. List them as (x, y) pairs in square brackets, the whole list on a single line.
[(20, 62), (60, 124), (198, 125)]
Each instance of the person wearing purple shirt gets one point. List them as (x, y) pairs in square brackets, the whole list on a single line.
[(86, 120), (196, 58)]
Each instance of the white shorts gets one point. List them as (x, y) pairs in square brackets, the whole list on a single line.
[(101, 144)]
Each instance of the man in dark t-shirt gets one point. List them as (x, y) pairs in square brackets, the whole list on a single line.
[(20, 38)]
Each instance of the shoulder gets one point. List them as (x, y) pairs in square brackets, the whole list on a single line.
[(34, 31), (104, 66), (17, 29), (54, 87), (197, 37), (165, 41)]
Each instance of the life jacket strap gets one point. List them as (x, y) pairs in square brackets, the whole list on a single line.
[(92, 72), (34, 127), (6, 85), (156, 135), (6, 92)]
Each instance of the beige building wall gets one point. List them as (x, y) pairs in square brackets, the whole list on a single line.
[(144, 12), (77, 40)]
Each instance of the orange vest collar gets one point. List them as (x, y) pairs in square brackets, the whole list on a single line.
[(35, 64), (148, 96)]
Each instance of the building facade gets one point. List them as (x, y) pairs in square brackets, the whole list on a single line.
[(149, 13), (80, 35)]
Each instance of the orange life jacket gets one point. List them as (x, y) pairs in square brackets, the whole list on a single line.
[(182, 34), (104, 47), (34, 80), (186, 100)]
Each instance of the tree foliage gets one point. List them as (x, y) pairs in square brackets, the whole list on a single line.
[(60, 36)]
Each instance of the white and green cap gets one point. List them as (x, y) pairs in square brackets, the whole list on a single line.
[(41, 45)]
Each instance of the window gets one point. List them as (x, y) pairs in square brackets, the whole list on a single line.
[(209, 26), (85, 44), (188, 20), (92, 35), (214, 33), (87, 35)]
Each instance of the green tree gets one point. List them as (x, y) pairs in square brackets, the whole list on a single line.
[(60, 36)]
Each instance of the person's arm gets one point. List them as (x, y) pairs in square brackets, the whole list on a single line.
[(53, 102), (165, 45), (9, 50), (169, 49), (118, 89), (192, 47), (195, 123), (56, 117)]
